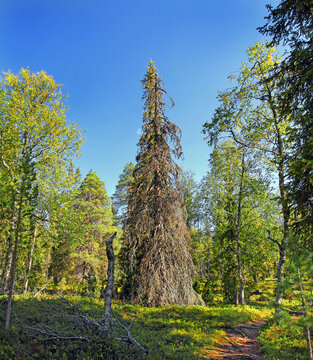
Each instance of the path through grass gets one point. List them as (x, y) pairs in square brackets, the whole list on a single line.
[(170, 332)]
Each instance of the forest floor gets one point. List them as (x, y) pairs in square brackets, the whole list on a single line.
[(49, 328), (240, 342)]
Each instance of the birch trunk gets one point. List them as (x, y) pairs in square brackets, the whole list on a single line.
[(238, 252), (110, 284), (14, 260), (7, 266), (30, 259)]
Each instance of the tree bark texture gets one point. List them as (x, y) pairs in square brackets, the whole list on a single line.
[(14, 260), (110, 284), (238, 247), (7, 266), (30, 259), (280, 163)]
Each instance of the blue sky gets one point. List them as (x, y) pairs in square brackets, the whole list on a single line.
[(99, 51)]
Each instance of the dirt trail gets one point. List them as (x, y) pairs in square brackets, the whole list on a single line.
[(239, 343)]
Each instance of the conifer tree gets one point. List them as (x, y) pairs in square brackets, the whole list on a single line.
[(95, 207), (159, 264), (291, 24), (66, 230), (122, 192)]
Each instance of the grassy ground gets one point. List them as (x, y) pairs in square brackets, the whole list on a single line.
[(283, 338), (171, 332), (284, 341)]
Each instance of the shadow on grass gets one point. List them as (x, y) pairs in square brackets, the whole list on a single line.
[(186, 331), (169, 332)]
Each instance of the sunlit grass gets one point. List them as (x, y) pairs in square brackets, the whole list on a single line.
[(284, 341), (169, 332)]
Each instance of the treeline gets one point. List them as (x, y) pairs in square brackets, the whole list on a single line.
[(53, 224), (249, 218)]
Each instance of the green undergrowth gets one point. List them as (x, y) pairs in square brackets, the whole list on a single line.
[(284, 340), (168, 332)]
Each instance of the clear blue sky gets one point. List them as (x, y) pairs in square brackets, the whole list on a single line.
[(99, 51)]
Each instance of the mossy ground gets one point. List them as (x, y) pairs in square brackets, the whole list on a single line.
[(283, 341), (282, 338), (168, 332)]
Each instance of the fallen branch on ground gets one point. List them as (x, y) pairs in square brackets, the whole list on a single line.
[(129, 339), (41, 289), (76, 325), (81, 326)]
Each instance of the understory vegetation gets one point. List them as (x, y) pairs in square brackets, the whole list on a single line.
[(191, 259), (168, 332)]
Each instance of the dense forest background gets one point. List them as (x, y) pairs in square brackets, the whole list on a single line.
[(247, 223)]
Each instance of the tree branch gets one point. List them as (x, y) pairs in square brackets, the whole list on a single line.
[(129, 339), (273, 240)]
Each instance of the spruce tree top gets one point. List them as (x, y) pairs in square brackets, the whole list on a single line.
[(157, 130), (158, 264)]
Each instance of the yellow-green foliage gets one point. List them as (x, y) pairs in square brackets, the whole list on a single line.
[(284, 341), (184, 332)]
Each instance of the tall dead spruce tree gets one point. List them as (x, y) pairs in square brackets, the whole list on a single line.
[(158, 262)]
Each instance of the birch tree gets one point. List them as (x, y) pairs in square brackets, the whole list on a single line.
[(251, 113), (36, 142)]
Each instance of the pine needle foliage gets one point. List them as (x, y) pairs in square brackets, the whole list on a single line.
[(159, 266)]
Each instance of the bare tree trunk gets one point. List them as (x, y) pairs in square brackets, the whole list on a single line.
[(7, 266), (280, 158), (279, 270), (280, 276), (236, 298), (208, 267), (238, 250), (109, 289), (30, 259), (42, 288), (14, 260), (282, 245), (308, 340)]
